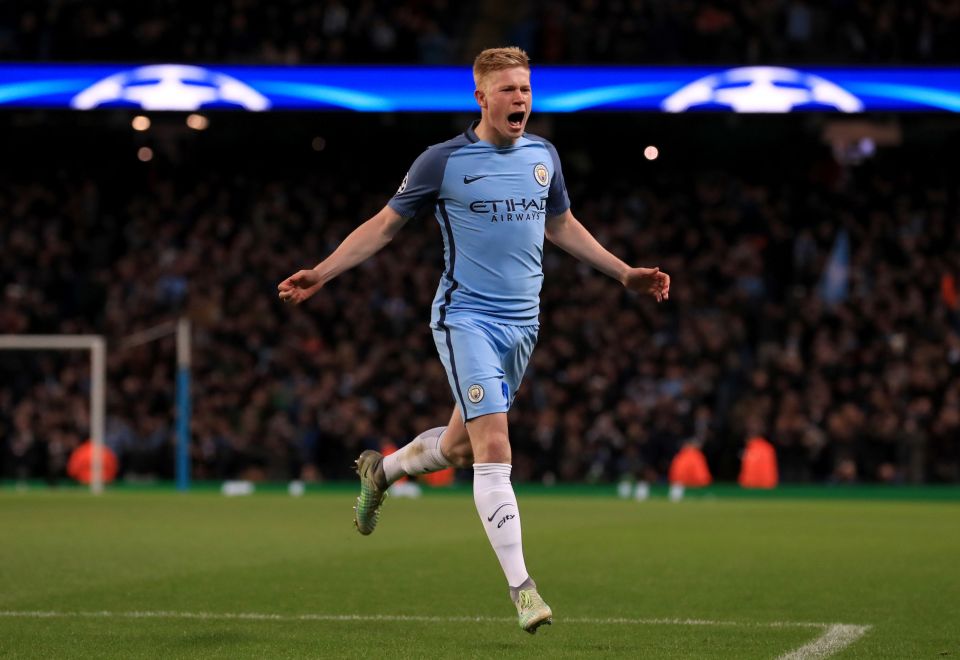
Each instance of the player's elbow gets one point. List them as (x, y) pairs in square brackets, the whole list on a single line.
[(387, 232), (553, 231), (390, 225)]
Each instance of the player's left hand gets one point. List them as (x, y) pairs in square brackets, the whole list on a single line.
[(648, 280), (299, 286)]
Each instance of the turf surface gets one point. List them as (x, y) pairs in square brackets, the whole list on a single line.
[(129, 575)]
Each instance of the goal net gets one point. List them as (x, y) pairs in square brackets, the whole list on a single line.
[(96, 345)]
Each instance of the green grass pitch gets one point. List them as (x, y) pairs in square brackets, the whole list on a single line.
[(164, 575)]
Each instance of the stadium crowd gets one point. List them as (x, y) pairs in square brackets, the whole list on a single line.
[(237, 31), (443, 32), (863, 389), (742, 31)]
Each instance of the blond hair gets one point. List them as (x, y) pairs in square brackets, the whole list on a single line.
[(498, 59)]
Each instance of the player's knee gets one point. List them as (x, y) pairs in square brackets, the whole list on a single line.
[(493, 447), (461, 455), (455, 446)]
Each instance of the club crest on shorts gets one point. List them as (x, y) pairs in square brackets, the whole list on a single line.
[(475, 393), (541, 174)]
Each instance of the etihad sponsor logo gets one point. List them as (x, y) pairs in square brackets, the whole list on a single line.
[(511, 210)]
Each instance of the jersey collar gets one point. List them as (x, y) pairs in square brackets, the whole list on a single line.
[(471, 132)]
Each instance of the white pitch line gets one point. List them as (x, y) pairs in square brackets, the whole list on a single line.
[(261, 616), (834, 639)]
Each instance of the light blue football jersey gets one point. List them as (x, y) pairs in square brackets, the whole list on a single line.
[(491, 203)]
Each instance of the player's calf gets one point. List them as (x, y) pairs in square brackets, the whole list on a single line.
[(421, 455)]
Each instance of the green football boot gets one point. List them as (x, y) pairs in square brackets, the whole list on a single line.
[(367, 512), (533, 612)]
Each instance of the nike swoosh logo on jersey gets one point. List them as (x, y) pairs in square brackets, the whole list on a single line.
[(490, 519), (467, 179)]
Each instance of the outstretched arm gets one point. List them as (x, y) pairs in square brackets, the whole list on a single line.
[(566, 232), (362, 243)]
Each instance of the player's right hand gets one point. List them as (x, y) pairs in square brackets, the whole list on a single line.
[(299, 286)]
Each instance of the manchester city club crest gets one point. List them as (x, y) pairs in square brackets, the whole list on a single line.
[(475, 393), (541, 174)]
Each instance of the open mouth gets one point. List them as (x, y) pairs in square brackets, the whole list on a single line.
[(515, 119)]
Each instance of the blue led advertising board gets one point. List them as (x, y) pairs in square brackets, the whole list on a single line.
[(752, 89)]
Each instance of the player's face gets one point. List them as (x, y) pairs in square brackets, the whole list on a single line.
[(505, 99)]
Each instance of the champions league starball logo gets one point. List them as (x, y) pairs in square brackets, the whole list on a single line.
[(762, 89), (170, 87)]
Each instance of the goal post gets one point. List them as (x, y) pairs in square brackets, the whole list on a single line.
[(183, 404), (181, 330), (98, 381)]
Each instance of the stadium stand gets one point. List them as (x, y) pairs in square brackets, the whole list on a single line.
[(866, 389), (443, 32)]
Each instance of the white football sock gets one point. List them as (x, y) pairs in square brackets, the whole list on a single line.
[(497, 506), (419, 456)]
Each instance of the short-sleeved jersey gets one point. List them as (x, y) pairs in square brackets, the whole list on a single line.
[(491, 203)]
